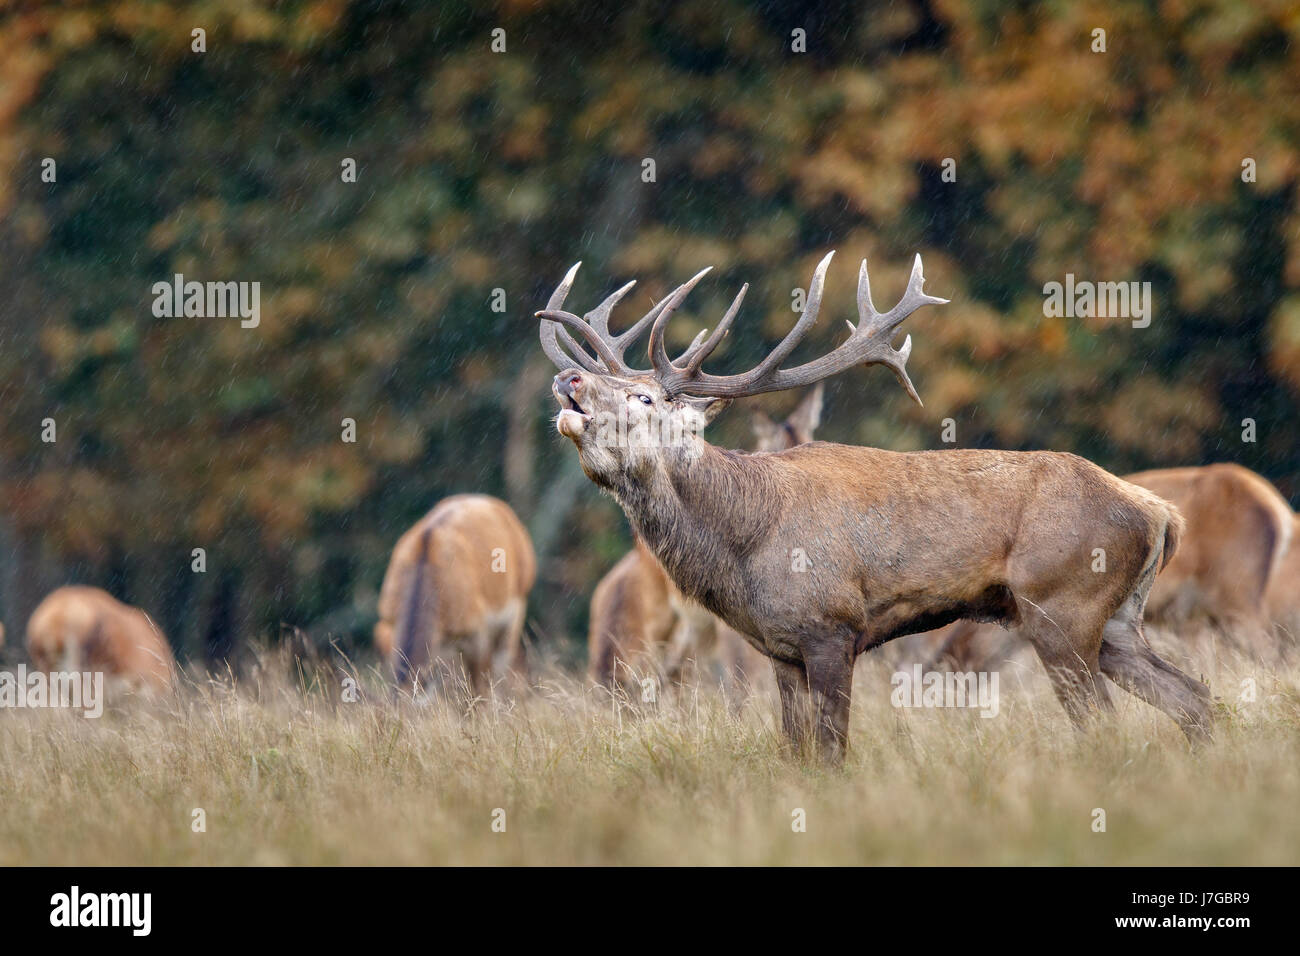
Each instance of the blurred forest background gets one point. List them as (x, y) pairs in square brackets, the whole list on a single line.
[(480, 170)]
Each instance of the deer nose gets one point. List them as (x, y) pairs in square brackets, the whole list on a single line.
[(566, 383)]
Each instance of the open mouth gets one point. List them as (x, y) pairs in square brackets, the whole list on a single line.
[(573, 419)]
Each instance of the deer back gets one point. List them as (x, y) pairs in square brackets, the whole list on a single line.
[(89, 629), (1238, 529), (457, 568)]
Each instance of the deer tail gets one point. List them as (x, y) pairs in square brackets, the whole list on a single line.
[(410, 638), (1174, 529)]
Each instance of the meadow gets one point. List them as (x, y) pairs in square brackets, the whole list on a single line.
[(286, 771)]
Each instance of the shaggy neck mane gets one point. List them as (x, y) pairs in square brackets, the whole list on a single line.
[(697, 512)]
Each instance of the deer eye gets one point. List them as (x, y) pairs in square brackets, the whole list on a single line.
[(644, 399)]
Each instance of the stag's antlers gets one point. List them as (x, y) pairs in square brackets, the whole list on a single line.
[(868, 342)]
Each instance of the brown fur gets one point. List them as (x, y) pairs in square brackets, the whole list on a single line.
[(86, 629), (441, 593), (1238, 528), (1238, 531)]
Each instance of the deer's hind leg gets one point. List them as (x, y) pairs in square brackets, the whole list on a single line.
[(1128, 660), (1069, 645)]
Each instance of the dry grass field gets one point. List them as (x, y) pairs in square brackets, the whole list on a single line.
[(288, 773)]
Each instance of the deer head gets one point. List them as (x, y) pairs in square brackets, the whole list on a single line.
[(626, 421)]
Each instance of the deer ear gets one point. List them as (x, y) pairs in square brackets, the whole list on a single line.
[(805, 419), (710, 408), (715, 408), (764, 428)]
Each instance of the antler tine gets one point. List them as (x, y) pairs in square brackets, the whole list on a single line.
[(663, 365), (690, 379), (912, 300), (897, 363), (880, 327), (598, 318), (806, 320), (694, 359), (549, 330), (562, 290), (869, 341)]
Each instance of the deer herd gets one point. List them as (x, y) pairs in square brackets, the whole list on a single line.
[(808, 553)]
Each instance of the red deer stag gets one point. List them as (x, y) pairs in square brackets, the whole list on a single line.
[(458, 584), (1238, 531), (639, 618), (818, 553), (86, 629)]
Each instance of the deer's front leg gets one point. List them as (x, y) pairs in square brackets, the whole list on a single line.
[(830, 685), (792, 685)]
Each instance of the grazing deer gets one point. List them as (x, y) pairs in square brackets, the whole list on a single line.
[(640, 618), (86, 629), (1238, 531), (821, 552), (458, 583)]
